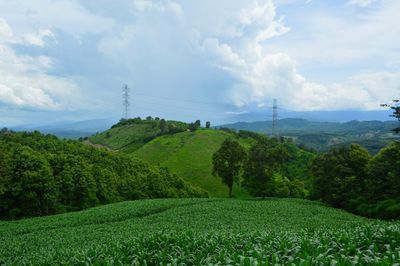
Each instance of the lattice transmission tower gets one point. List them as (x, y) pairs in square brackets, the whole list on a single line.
[(275, 131), (125, 102)]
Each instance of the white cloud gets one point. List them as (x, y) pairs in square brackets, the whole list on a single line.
[(259, 54), (262, 75), (345, 36), (37, 38), (24, 81), (157, 24)]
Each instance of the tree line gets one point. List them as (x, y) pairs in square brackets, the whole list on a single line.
[(350, 178), (41, 175), (166, 127), (345, 177)]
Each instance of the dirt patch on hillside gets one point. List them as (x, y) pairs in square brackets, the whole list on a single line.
[(98, 146)]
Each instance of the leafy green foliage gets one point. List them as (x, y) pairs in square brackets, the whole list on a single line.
[(276, 169), (265, 158), (41, 175), (228, 162), (350, 178), (201, 232)]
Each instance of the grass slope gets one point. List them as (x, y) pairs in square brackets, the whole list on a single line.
[(189, 155), (130, 135), (127, 138), (201, 232)]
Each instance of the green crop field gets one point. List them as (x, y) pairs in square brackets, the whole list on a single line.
[(202, 232), (189, 155)]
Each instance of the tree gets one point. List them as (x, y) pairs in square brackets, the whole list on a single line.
[(339, 175), (163, 126), (197, 123), (384, 170), (5, 178), (395, 106), (208, 124), (194, 126), (228, 162), (265, 159), (32, 189)]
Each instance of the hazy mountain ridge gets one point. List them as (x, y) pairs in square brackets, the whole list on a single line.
[(69, 129), (321, 135)]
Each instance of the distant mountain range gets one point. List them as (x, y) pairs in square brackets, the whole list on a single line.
[(320, 116), (322, 135), (68, 129)]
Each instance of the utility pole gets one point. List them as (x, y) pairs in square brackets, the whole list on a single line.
[(275, 132), (125, 101)]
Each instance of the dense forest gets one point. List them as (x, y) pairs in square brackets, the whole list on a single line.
[(350, 178), (345, 177), (41, 175)]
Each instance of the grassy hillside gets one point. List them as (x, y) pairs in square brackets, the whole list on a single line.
[(189, 155), (200, 232), (129, 135)]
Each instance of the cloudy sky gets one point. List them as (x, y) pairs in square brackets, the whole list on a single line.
[(189, 59)]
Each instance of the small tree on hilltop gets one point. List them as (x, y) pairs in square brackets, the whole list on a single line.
[(395, 106), (194, 126), (163, 125), (208, 124), (228, 162)]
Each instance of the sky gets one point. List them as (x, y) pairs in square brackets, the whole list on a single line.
[(191, 59)]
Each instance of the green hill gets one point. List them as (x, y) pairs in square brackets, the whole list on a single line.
[(129, 135), (189, 155), (185, 153), (201, 232)]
